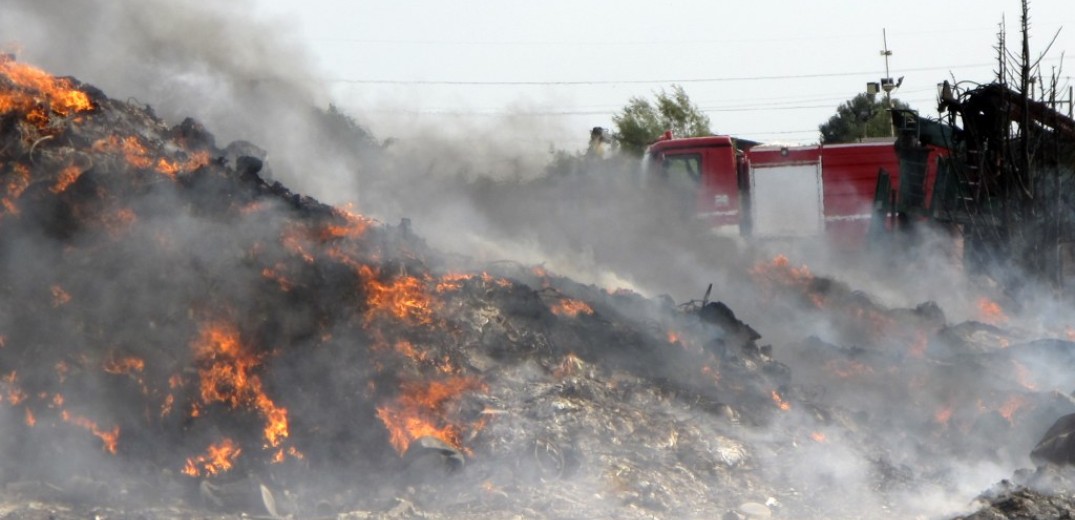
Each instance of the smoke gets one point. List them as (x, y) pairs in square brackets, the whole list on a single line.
[(224, 64), (483, 194)]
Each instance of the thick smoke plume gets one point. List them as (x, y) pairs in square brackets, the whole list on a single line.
[(895, 406)]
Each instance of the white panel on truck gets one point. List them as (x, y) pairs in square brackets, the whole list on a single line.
[(786, 200)]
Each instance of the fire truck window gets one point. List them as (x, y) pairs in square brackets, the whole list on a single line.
[(683, 167)]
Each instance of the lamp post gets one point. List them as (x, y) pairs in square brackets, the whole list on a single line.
[(886, 84)]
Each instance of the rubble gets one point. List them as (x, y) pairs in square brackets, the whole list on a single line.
[(180, 336)]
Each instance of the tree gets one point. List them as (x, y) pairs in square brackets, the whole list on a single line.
[(642, 122), (861, 116)]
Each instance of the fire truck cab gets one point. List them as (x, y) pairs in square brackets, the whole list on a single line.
[(835, 192)]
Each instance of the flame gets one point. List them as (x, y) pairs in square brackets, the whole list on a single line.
[(404, 297), (17, 181), (354, 226), (502, 282), (711, 373), (818, 437), (452, 282), (30, 419), (943, 415), (673, 338), (1010, 406), (33, 85), (1024, 376), (570, 365), (195, 161), (406, 348), (218, 458), (110, 438), (15, 395), (420, 411), (166, 407), (67, 177), (130, 147), (991, 312), (780, 402), (61, 370), (60, 297), (124, 365), (274, 273), (571, 308), (780, 272), (227, 373)]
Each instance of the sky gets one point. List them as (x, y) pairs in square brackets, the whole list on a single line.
[(768, 70)]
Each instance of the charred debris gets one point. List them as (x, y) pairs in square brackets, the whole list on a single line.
[(1004, 186), (180, 336)]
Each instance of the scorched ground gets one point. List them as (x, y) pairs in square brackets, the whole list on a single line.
[(179, 336)]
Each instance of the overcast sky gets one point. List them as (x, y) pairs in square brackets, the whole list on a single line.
[(765, 70)]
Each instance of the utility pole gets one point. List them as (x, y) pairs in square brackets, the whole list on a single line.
[(887, 84), (886, 81)]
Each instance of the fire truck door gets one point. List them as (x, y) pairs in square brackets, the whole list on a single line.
[(786, 200)]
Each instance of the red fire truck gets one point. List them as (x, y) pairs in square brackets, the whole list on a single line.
[(839, 192)]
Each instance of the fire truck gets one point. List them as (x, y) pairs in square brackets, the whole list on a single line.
[(840, 192)]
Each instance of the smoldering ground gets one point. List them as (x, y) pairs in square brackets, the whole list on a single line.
[(601, 223)]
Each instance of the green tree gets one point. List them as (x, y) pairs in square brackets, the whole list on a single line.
[(864, 115), (642, 122)]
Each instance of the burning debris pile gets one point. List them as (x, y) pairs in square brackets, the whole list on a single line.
[(177, 332), (170, 320)]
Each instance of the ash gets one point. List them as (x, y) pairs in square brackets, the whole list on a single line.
[(180, 336)]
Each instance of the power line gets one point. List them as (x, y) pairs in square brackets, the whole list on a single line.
[(654, 81), (606, 43), (637, 81)]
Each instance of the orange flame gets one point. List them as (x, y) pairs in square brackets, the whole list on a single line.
[(228, 376), (17, 182), (67, 177), (30, 419), (404, 298), (421, 410), (166, 407), (1010, 406), (274, 273), (780, 402), (780, 272), (33, 85), (130, 147), (172, 168), (1024, 376), (59, 296), (571, 308), (218, 458), (15, 395), (943, 415), (452, 282), (570, 365), (818, 437), (711, 372), (109, 438), (991, 312), (124, 365)]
